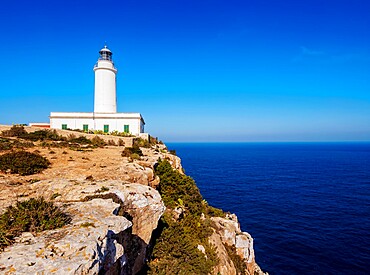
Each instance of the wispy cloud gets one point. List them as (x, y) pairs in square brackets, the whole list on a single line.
[(307, 51), (308, 54), (316, 56)]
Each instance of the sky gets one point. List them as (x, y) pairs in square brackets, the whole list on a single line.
[(198, 71)]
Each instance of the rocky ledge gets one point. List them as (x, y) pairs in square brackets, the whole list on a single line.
[(115, 209)]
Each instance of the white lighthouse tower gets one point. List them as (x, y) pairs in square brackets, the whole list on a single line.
[(105, 117), (105, 100)]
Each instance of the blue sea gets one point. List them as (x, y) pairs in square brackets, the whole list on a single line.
[(307, 205)]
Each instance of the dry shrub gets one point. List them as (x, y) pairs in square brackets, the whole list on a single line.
[(98, 141), (33, 215), (111, 142), (23, 163)]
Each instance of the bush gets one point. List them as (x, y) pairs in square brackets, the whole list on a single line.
[(15, 131), (40, 135), (176, 249), (23, 163), (127, 152), (135, 156), (98, 142), (174, 186), (99, 132), (111, 142), (120, 134), (25, 144), (215, 212), (80, 140), (5, 144), (139, 142), (239, 264), (43, 135), (33, 215)]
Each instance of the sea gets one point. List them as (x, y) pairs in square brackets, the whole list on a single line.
[(307, 205)]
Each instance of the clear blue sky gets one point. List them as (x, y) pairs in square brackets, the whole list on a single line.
[(197, 70)]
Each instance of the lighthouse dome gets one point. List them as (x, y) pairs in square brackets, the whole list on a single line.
[(105, 49), (105, 54)]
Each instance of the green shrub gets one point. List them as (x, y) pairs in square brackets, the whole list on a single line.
[(128, 151), (5, 144), (43, 135), (19, 144), (174, 186), (99, 132), (135, 156), (15, 131), (176, 249), (120, 134), (98, 141), (239, 264), (139, 142), (33, 215), (87, 224), (153, 140), (23, 163), (80, 140), (215, 212), (40, 135)]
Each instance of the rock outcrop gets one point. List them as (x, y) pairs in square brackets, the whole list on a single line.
[(109, 232), (227, 233), (114, 208)]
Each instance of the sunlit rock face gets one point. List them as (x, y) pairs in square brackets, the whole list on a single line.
[(114, 209), (109, 232), (227, 232)]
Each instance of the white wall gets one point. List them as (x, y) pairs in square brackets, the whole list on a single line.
[(77, 120)]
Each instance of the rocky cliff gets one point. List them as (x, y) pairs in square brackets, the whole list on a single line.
[(114, 208)]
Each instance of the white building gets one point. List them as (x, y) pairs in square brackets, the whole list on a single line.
[(105, 116)]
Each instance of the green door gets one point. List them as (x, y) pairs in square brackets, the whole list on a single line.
[(64, 126), (85, 127), (106, 128), (126, 128)]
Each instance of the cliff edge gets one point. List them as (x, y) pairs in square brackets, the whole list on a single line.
[(120, 210)]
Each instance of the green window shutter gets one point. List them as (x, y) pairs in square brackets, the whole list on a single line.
[(126, 128), (106, 128), (64, 126), (85, 127)]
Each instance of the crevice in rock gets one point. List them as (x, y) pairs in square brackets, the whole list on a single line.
[(155, 236)]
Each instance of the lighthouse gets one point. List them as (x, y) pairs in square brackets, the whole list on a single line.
[(104, 117), (105, 100)]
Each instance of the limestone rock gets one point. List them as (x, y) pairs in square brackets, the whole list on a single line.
[(225, 265), (227, 232), (109, 232)]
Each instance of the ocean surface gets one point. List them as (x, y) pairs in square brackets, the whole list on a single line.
[(307, 205)]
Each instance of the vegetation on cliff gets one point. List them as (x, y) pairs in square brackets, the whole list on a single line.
[(23, 163), (33, 215), (48, 138), (183, 246)]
